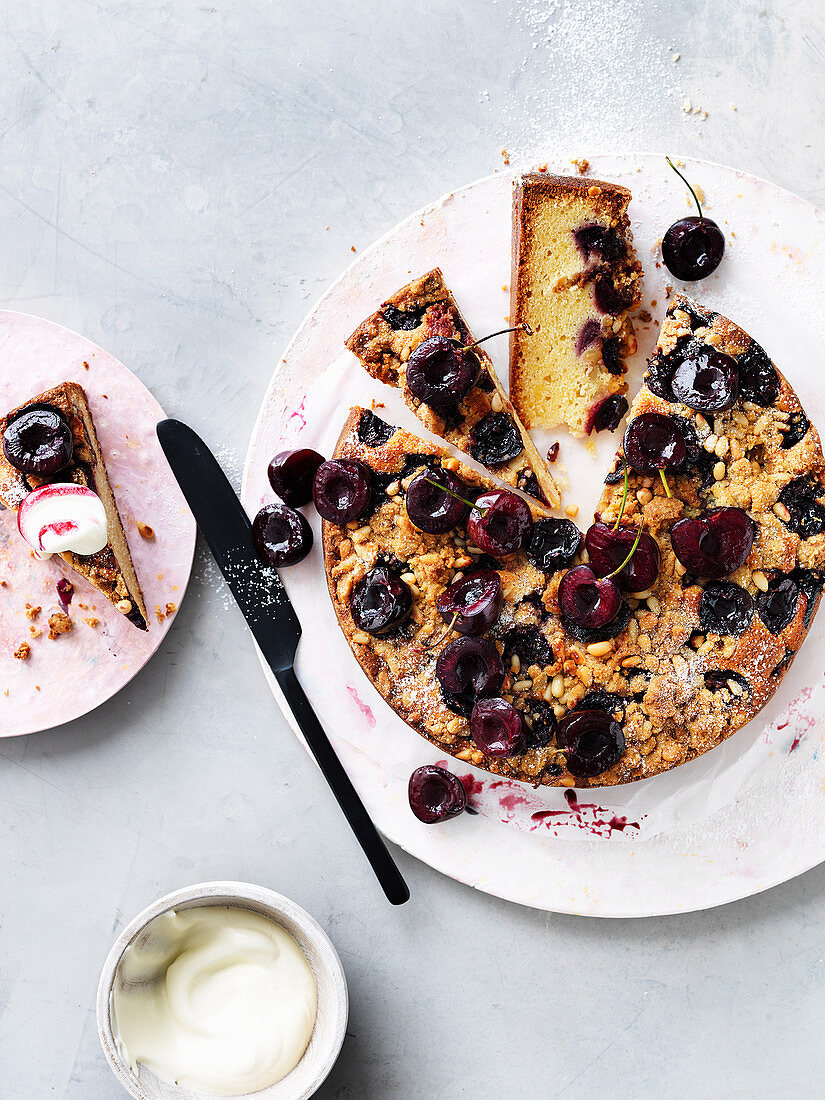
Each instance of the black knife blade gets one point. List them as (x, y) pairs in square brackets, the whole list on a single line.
[(261, 596)]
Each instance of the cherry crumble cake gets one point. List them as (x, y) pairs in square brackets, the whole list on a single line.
[(509, 640), (418, 341)]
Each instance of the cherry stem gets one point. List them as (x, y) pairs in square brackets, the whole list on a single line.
[(624, 497), (629, 556), (455, 496), (695, 199), (664, 482), (523, 326), (431, 644)]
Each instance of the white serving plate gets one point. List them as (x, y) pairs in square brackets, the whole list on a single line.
[(738, 820)]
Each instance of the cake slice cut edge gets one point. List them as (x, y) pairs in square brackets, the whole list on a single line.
[(111, 570), (574, 281), (384, 342)]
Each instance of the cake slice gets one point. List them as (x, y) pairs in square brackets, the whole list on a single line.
[(72, 456), (574, 281), (483, 423)]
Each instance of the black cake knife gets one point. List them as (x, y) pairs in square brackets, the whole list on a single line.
[(271, 618)]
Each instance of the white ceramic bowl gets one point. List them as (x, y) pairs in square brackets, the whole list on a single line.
[(333, 1002)]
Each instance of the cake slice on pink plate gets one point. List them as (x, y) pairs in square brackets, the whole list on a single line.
[(53, 474)]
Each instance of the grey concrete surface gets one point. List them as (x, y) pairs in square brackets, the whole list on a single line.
[(179, 180)]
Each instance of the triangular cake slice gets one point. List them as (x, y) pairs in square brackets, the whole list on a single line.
[(484, 424), (111, 570), (574, 281)]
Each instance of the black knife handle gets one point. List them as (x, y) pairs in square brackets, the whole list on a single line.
[(349, 800)]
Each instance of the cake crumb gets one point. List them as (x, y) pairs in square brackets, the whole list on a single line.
[(571, 510), (32, 612), (171, 608), (686, 107), (645, 316), (85, 365), (675, 58), (22, 652), (506, 156), (35, 631), (59, 623), (146, 532), (668, 292), (553, 452), (733, 106), (92, 622), (582, 165), (352, 248)]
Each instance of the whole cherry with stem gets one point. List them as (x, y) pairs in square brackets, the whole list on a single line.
[(591, 601), (440, 373), (607, 546), (500, 521), (692, 247)]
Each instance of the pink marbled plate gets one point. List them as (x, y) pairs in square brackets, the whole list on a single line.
[(66, 677), (739, 819)]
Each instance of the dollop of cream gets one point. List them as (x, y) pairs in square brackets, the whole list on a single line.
[(214, 998), (63, 516)]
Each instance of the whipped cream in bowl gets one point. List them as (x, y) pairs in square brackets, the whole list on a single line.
[(63, 516), (222, 989)]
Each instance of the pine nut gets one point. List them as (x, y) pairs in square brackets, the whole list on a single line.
[(710, 443), (644, 496), (654, 605), (559, 710), (394, 488), (642, 595), (557, 687), (496, 404), (522, 685), (781, 511), (719, 471), (600, 649), (734, 687), (515, 662), (630, 662), (761, 581), (721, 448)]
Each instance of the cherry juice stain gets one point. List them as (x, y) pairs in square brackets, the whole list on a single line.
[(802, 721), (362, 706), (586, 815), (299, 415)]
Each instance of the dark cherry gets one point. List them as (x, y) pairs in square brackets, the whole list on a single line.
[(587, 600), (497, 727), (430, 507), (613, 629), (607, 297), (495, 440), (404, 320), (797, 429), (38, 441), (553, 544), (291, 474), (758, 380), (467, 669), (717, 679), (607, 550), (810, 585), (380, 601), (436, 794), (598, 240), (706, 379), (653, 442), (373, 431), (528, 644), (472, 604), (593, 742), (777, 607), (725, 608), (440, 372), (610, 356), (281, 535), (692, 248), (807, 514), (589, 334), (500, 523), (715, 543), (342, 489), (608, 701), (540, 724), (607, 414)]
